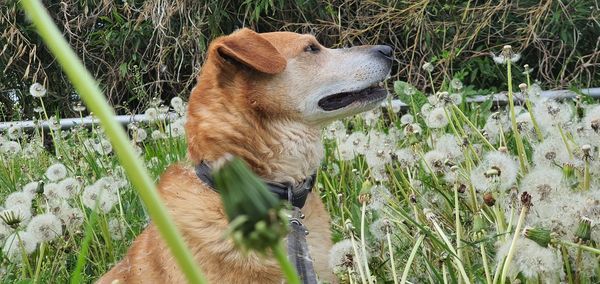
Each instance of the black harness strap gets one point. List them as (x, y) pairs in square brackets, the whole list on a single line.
[(295, 194)]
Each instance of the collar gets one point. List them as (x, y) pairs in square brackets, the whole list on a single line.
[(295, 194)]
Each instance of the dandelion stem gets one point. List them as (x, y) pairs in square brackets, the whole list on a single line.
[(580, 246), (362, 241), (457, 224), (518, 139), (90, 92), (391, 250), (359, 265), (536, 127), (411, 257), (39, 262), (565, 257), (486, 266), (586, 175), (457, 261), (565, 140), (473, 127), (512, 249), (286, 267)]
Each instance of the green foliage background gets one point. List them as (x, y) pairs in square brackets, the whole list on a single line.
[(144, 49)]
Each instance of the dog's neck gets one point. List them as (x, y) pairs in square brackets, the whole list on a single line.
[(279, 150)]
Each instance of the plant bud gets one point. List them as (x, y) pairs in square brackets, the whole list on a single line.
[(540, 236), (584, 230)]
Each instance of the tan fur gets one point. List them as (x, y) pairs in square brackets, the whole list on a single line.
[(254, 99)]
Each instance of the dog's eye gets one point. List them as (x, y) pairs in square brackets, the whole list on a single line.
[(312, 48)]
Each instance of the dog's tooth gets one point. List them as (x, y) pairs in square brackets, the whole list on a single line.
[(380, 84)]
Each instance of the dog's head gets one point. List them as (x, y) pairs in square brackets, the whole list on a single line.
[(293, 75), (253, 79)]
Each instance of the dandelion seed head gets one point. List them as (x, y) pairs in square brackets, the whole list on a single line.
[(95, 194), (426, 109), (342, 256), (117, 229), (380, 197), (428, 67), (505, 175), (18, 242), (157, 135), (72, 217), (434, 162), (336, 131), (379, 229), (36, 90), (549, 114), (495, 125), (449, 145), (543, 183), (456, 84), (406, 157), (437, 118), (371, 117), (407, 119), (151, 114), (56, 172), (71, 186), (45, 227), (532, 260), (18, 199), (16, 215), (55, 193), (552, 151), (10, 147), (409, 90)]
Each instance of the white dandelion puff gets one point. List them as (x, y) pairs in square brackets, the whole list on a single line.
[(45, 227), (504, 174), (117, 229), (10, 147), (95, 197), (552, 151), (55, 193), (434, 162), (437, 118), (18, 243), (18, 199), (71, 186), (36, 90), (56, 172), (407, 119), (532, 260), (151, 114)]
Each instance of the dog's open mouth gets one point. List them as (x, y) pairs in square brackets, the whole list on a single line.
[(375, 92)]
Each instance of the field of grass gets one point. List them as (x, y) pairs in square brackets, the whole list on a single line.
[(443, 192)]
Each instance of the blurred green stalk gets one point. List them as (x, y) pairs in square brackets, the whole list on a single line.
[(90, 93)]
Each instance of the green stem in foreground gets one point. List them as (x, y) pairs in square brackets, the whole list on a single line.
[(512, 249), (390, 248), (513, 119), (38, 266), (90, 92), (362, 241), (286, 267), (411, 257)]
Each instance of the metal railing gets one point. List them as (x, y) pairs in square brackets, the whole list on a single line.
[(66, 123)]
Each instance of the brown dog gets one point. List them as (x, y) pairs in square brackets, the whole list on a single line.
[(265, 98)]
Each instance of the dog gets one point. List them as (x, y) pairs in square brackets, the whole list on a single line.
[(265, 98)]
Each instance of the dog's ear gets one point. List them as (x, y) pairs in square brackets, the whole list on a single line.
[(252, 50)]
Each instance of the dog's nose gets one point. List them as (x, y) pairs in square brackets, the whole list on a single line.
[(383, 50)]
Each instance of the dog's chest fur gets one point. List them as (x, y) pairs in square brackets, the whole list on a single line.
[(298, 154)]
